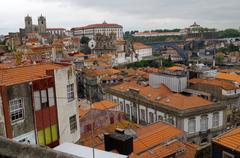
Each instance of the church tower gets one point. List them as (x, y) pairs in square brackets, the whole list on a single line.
[(28, 24), (42, 25)]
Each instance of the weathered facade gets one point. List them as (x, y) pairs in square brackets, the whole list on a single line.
[(201, 122), (34, 104)]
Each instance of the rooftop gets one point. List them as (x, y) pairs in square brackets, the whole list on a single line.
[(214, 82), (163, 95), (230, 139), (105, 104), (138, 45), (162, 151), (109, 71), (227, 76), (103, 25), (150, 136), (182, 102), (101, 105), (21, 74)]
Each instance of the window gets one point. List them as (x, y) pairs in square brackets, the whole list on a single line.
[(128, 109), (215, 120), (191, 125), (37, 101), (170, 120), (44, 98), (115, 100), (16, 109), (151, 117), (204, 123), (73, 123), (142, 114), (160, 118), (70, 92), (227, 155), (121, 105), (51, 97)]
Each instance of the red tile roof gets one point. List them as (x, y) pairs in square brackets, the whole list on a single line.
[(164, 96), (48, 29), (230, 139), (21, 74), (104, 104), (153, 135), (93, 26), (138, 45), (214, 82), (227, 76)]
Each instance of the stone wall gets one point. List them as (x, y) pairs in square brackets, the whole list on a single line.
[(11, 149)]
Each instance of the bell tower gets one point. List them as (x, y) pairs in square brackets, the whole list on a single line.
[(42, 25), (28, 24)]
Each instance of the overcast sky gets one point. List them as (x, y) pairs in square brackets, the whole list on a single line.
[(132, 14)]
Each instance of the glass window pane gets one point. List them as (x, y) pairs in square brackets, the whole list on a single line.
[(51, 97), (37, 104), (44, 96)]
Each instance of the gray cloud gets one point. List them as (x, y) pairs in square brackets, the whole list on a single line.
[(140, 14)]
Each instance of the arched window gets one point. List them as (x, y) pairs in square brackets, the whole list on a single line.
[(192, 125), (215, 120), (142, 112), (151, 117), (204, 123)]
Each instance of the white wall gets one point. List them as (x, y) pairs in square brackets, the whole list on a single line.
[(146, 109), (28, 138), (210, 120), (229, 92), (176, 84), (144, 53), (66, 109), (92, 32)]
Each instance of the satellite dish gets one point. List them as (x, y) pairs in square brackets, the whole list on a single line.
[(92, 44)]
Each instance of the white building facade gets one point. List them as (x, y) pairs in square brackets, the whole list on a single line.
[(90, 31), (67, 104), (200, 124)]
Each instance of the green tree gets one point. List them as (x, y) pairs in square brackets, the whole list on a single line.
[(219, 59), (232, 48), (229, 33), (168, 62), (84, 40)]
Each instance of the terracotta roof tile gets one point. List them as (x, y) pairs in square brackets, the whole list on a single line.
[(138, 45), (153, 135), (21, 74), (227, 76), (105, 104), (92, 26), (164, 96), (215, 82), (230, 139), (182, 102)]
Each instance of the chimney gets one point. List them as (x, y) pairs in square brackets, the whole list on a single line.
[(118, 141), (107, 142)]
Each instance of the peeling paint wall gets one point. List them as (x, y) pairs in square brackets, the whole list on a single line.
[(27, 124)]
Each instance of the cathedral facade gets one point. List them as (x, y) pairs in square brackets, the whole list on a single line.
[(40, 28)]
